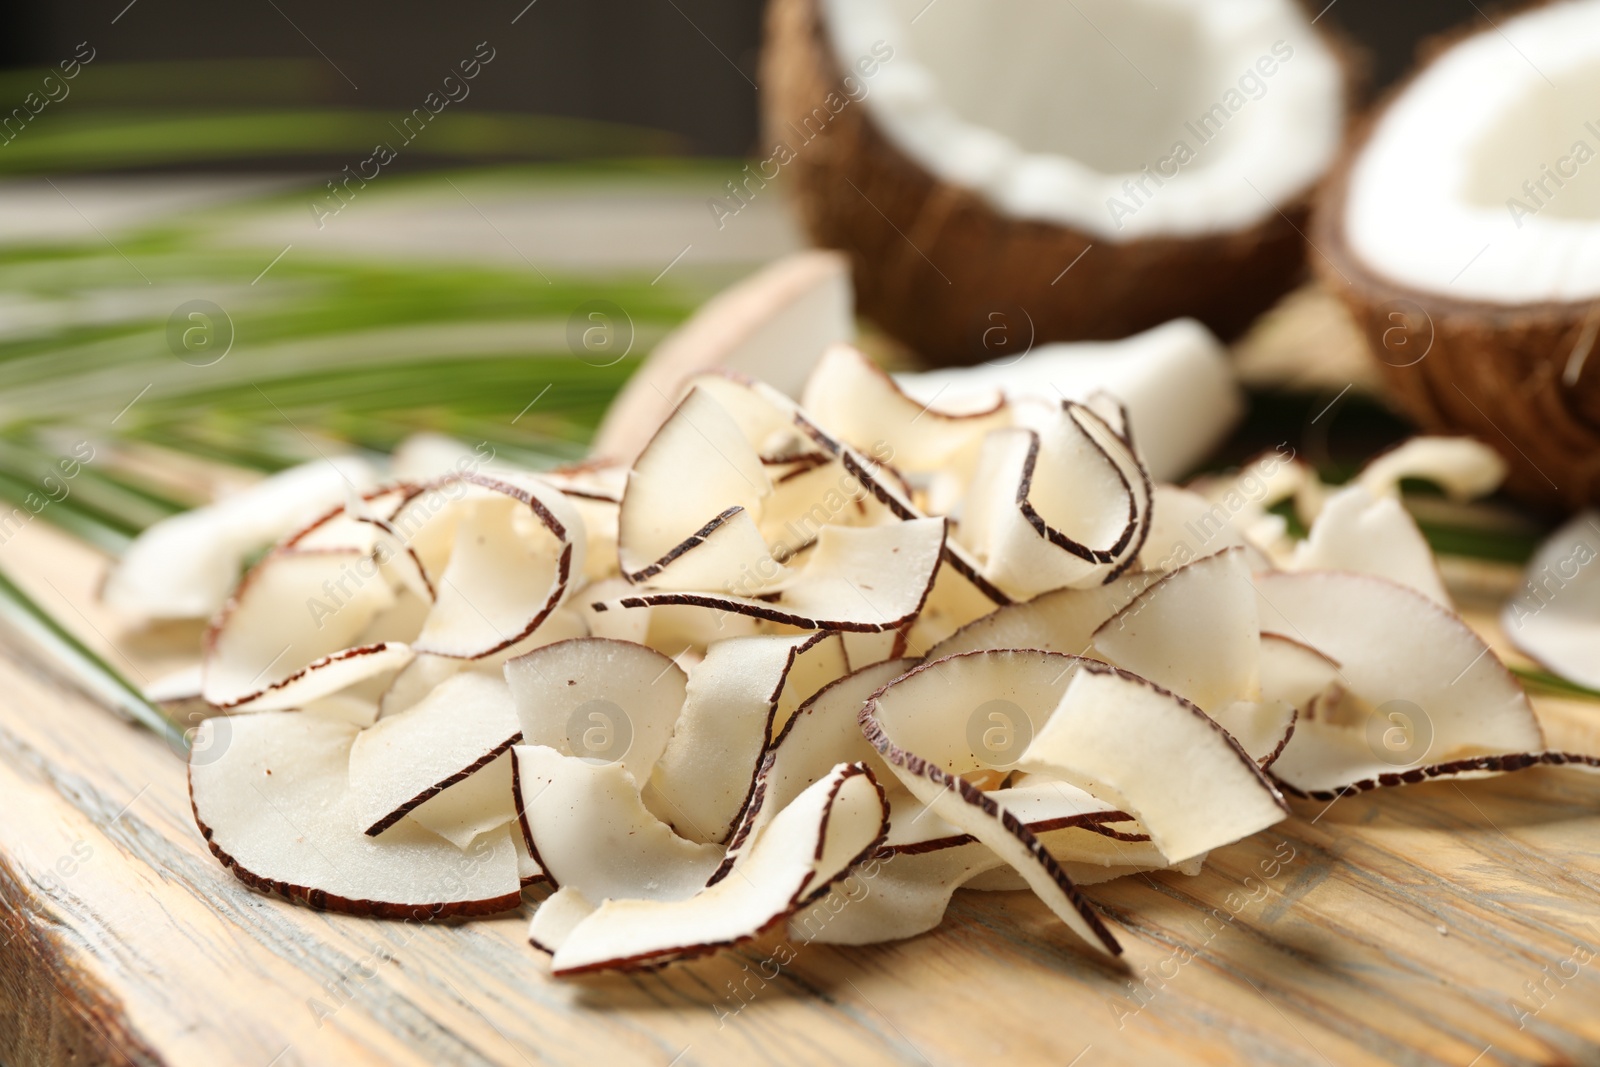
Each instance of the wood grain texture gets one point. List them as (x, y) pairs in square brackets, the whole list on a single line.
[(1405, 927)]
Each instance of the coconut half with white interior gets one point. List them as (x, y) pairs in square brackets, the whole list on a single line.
[(1463, 232), (967, 153)]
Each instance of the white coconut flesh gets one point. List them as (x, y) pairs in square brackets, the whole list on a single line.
[(737, 699), (1420, 689), (813, 842), (843, 584), (591, 831), (1180, 391), (403, 760), (475, 805), (275, 808), (691, 767), (1065, 502), (1479, 181), (184, 566), (1555, 617), (290, 633), (598, 699), (1062, 620), (556, 917), (995, 98), (1155, 635)]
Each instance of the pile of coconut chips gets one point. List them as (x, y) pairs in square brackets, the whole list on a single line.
[(847, 638)]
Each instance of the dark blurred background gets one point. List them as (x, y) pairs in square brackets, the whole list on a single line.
[(658, 76)]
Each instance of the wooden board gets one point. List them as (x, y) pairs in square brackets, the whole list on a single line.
[(1408, 927)]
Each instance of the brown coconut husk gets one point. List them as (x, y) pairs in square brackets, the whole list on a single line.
[(1489, 371), (934, 263)]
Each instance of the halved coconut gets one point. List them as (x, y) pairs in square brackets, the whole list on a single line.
[(773, 325), (954, 152), (1461, 233), (1555, 617), (275, 808)]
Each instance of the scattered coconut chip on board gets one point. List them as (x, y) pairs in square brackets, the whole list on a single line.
[(1555, 617), (274, 807)]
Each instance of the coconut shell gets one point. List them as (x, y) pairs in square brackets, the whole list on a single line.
[(938, 268), (1489, 371)]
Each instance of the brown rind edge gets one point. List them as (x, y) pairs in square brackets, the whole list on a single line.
[(932, 261)]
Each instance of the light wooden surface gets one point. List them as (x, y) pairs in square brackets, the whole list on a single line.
[(1405, 927)]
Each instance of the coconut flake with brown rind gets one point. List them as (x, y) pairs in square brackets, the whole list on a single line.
[(812, 843), (275, 809)]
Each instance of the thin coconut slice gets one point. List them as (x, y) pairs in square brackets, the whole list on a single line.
[(1065, 503), (1422, 688), (1185, 526), (1196, 632), (274, 807), (183, 567), (515, 553), (737, 698), (824, 732), (812, 843), (288, 634), (844, 584), (479, 803), (1465, 469), (1158, 756), (1062, 620), (968, 108), (697, 532), (860, 404), (403, 760), (881, 483), (976, 712), (1294, 672), (556, 917), (773, 325), (1357, 531), (897, 895), (1555, 618), (1041, 804), (598, 699), (1475, 286), (590, 831), (1175, 379)]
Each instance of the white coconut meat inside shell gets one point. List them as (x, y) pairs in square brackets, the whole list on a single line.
[(1480, 180), (993, 98), (273, 802)]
